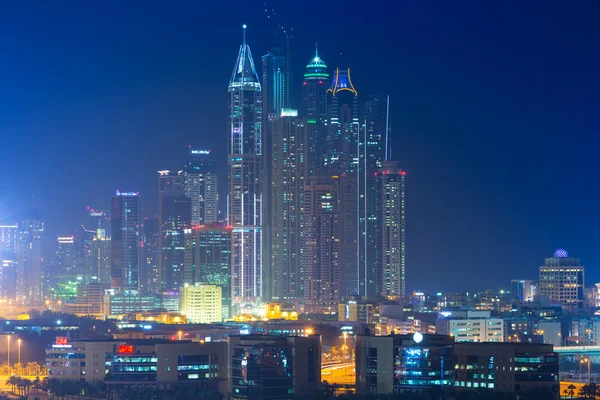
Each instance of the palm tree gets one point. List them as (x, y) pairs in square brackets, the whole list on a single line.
[(571, 390), (37, 384), (12, 381)]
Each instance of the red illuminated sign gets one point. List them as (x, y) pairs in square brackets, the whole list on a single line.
[(61, 340), (125, 348)]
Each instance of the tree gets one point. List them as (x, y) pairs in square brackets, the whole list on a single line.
[(590, 391), (18, 369), (570, 390), (12, 381), (37, 384), (5, 369), (33, 368)]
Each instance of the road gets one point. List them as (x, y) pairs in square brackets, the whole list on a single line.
[(341, 374)]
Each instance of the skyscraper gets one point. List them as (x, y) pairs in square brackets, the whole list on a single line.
[(321, 239), (283, 274), (65, 255), (372, 138), (8, 260), (150, 256), (208, 259), (245, 164), (274, 84), (29, 261), (275, 95), (175, 215), (393, 245), (343, 160), (125, 242), (200, 185), (562, 278), (314, 109), (100, 255), (343, 123)]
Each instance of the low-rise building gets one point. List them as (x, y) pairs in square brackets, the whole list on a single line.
[(400, 363), (506, 367), (274, 367), (470, 326), (201, 303), (132, 364)]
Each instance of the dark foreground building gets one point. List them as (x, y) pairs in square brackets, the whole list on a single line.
[(274, 367), (506, 367), (401, 363)]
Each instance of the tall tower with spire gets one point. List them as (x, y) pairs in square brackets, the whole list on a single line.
[(314, 109), (244, 200)]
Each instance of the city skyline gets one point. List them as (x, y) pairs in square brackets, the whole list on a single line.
[(464, 194)]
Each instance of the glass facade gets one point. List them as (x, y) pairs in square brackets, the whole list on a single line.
[(262, 373), (422, 367)]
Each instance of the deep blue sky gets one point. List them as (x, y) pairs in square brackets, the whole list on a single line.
[(494, 113)]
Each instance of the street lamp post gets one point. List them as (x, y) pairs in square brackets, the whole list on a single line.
[(8, 340), (19, 352)]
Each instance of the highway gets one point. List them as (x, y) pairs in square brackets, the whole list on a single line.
[(339, 373)]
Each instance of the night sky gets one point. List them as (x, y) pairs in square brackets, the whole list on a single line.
[(495, 113)]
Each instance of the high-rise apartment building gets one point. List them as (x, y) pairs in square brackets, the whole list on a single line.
[(343, 122), (372, 143), (125, 241), (175, 216), (208, 259), (8, 260), (29, 261), (150, 256), (314, 110), (65, 256), (283, 274), (100, 256), (200, 185), (562, 278), (391, 273), (275, 96), (321, 239), (201, 303), (244, 212)]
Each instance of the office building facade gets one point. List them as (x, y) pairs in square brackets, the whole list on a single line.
[(471, 326), (562, 279), (201, 303), (506, 367), (274, 367), (403, 363)]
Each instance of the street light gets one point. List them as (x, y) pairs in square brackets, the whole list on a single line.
[(8, 340), (585, 360), (179, 333), (19, 352)]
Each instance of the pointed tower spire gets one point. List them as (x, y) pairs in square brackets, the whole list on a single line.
[(316, 50), (244, 72)]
